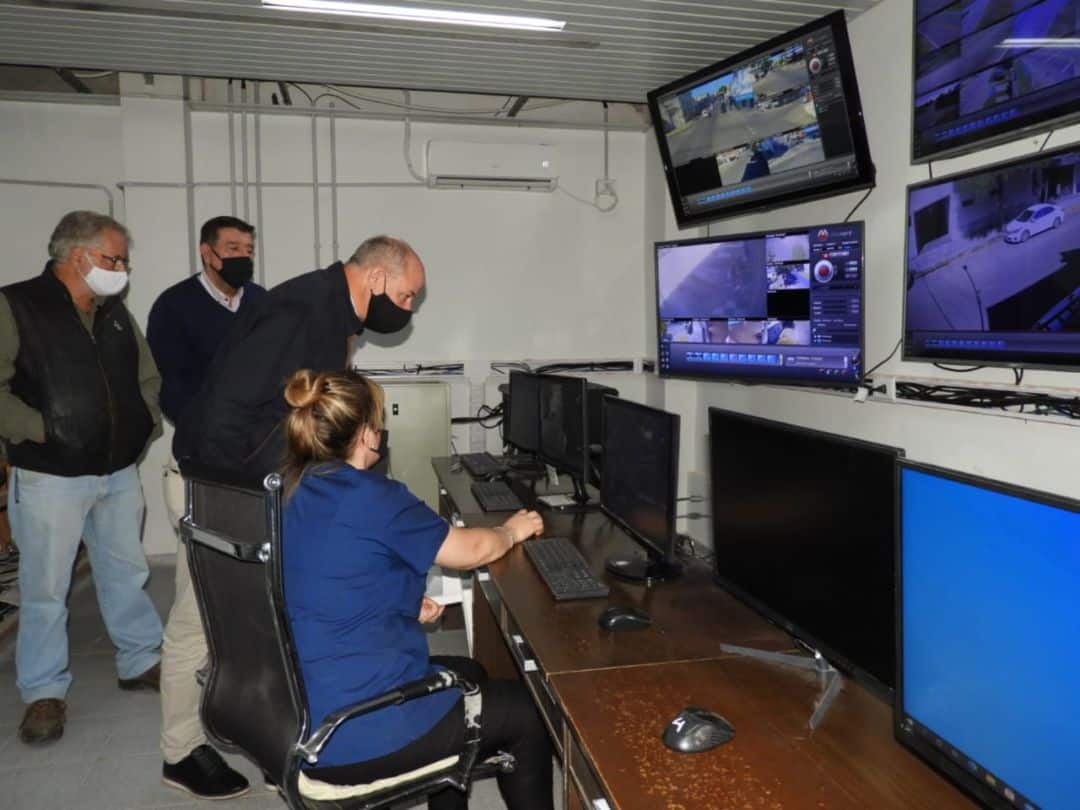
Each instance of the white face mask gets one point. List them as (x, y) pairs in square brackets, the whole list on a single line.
[(104, 282)]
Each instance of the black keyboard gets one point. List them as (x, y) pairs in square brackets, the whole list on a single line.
[(480, 465), (563, 569), (495, 496)]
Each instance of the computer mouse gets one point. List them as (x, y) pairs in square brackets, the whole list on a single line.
[(624, 618), (694, 730)]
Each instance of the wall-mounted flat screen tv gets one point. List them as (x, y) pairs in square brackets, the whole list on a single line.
[(773, 125), (783, 306), (988, 71), (993, 265)]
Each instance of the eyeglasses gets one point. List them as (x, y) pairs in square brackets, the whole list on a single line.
[(116, 260)]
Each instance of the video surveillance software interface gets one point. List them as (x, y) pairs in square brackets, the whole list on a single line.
[(775, 123), (784, 305), (994, 264), (986, 68)]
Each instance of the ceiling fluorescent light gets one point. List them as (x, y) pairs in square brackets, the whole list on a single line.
[(1040, 42), (424, 15)]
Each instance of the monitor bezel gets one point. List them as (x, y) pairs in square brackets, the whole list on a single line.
[(1012, 133), (516, 373), (793, 628), (923, 749), (866, 177), (673, 423), (973, 358), (559, 464), (849, 385)]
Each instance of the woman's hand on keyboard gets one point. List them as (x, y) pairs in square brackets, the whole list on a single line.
[(524, 524)]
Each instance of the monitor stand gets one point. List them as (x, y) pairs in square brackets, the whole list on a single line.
[(643, 569), (828, 677), (525, 466), (581, 495), (524, 469)]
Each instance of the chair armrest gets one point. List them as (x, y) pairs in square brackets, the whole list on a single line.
[(317, 740)]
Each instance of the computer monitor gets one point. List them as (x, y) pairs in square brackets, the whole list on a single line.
[(523, 420), (988, 662), (782, 306), (985, 72), (773, 125), (564, 428), (993, 265), (804, 532), (639, 485)]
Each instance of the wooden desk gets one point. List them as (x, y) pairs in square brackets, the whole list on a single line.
[(613, 749), (606, 697)]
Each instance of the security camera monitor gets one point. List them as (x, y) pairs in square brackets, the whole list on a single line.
[(993, 265), (776, 124), (987, 71), (523, 422), (782, 307), (804, 531), (988, 614)]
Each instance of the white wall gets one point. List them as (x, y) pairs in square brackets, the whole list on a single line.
[(517, 275), (1039, 453), (511, 275)]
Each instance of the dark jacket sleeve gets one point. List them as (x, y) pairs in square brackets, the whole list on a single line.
[(232, 422), (168, 342)]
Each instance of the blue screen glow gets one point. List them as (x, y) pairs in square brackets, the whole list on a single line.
[(990, 622)]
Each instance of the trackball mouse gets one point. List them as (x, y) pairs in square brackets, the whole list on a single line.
[(695, 729), (624, 618)]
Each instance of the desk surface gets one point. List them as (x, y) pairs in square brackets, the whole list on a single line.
[(774, 761), (691, 615), (617, 691)]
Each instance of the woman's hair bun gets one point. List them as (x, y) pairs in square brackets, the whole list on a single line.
[(304, 388)]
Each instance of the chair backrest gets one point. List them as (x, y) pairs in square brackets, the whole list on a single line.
[(253, 697)]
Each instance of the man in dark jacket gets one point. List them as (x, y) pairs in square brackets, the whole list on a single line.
[(78, 404), (187, 324), (234, 422)]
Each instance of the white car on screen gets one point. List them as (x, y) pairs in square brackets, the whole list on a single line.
[(1032, 220)]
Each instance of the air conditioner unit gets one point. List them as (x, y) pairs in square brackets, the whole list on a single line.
[(508, 166)]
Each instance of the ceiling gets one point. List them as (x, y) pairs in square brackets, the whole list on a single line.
[(614, 50)]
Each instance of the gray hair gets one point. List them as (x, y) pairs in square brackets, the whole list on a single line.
[(385, 251), (82, 229)]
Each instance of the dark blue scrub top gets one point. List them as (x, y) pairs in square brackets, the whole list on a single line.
[(356, 551)]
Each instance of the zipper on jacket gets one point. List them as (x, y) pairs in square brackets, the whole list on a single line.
[(108, 388)]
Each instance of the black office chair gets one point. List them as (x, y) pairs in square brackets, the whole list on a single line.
[(253, 697)]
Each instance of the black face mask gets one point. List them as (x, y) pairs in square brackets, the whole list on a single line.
[(236, 271), (385, 316)]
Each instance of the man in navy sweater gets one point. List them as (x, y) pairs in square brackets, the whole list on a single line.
[(188, 322)]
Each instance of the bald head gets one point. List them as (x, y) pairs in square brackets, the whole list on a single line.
[(386, 252), (384, 264)]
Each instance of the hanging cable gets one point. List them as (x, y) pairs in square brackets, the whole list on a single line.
[(887, 359), (851, 213), (958, 369)]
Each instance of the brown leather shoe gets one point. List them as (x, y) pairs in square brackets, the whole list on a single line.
[(151, 679), (43, 721)]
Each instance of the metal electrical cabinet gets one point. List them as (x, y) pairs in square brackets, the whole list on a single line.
[(418, 418)]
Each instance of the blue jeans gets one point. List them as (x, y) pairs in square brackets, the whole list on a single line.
[(49, 515)]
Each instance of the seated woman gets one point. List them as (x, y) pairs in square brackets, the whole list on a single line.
[(356, 551)]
